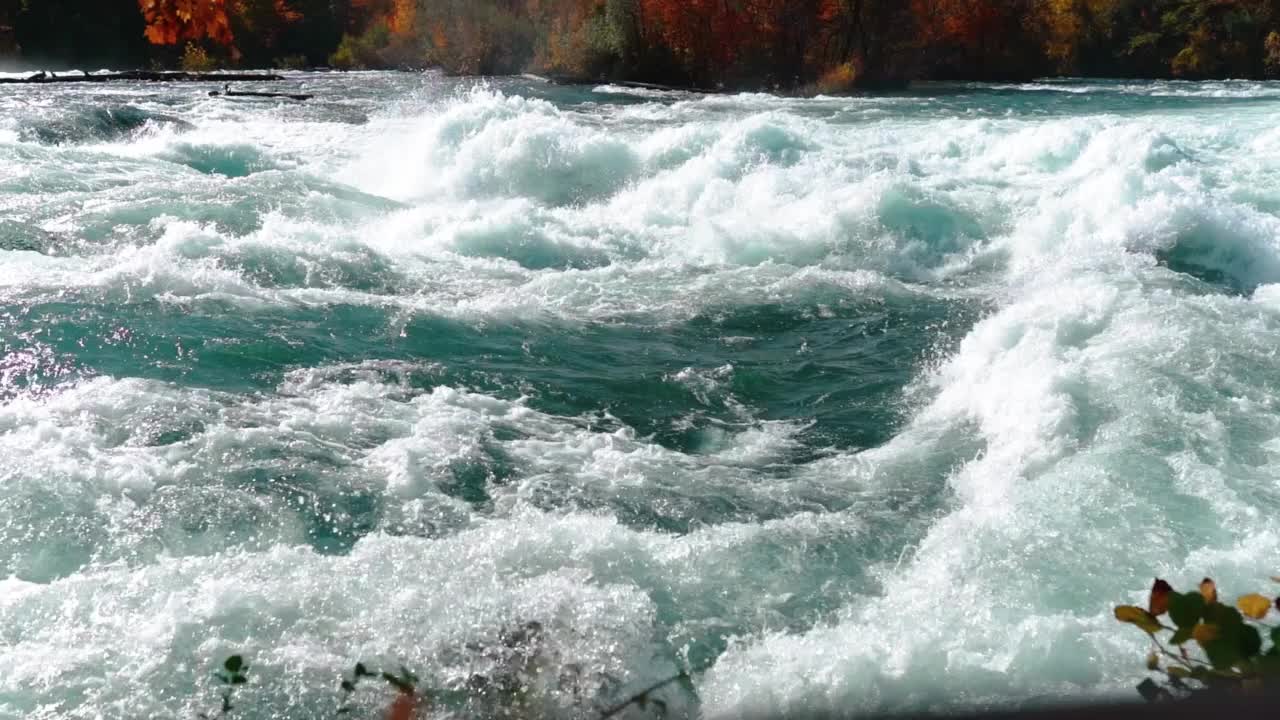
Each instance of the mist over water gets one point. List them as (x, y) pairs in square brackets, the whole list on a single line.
[(852, 404)]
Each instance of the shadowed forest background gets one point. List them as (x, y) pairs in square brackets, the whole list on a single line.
[(785, 44)]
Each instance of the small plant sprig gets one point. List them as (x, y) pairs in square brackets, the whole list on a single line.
[(232, 675), (405, 683), (349, 686), (1231, 653), (503, 692)]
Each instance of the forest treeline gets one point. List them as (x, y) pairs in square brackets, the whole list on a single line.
[(788, 44)]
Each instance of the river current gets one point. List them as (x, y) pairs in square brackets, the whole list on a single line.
[(856, 404)]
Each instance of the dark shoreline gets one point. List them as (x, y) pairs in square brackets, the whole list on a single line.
[(48, 77)]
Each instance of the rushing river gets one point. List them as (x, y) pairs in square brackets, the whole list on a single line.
[(853, 404)]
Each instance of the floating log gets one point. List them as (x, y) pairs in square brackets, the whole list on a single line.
[(235, 93), (582, 80), (44, 77), (665, 88)]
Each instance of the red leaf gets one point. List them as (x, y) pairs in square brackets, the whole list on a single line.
[(1209, 590), (1159, 602)]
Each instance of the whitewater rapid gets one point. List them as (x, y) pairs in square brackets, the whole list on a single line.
[(847, 404)]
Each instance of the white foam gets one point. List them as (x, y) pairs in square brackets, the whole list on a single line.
[(1113, 417), (1118, 439)]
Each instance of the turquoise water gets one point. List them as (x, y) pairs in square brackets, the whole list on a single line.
[(853, 404)]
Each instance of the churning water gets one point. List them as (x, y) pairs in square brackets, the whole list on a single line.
[(852, 404)]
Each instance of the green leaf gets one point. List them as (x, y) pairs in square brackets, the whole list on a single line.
[(1225, 648), (362, 671), (239, 680), (348, 686), (234, 664), (1181, 636), (1268, 666), (1275, 637), (1185, 608), (1223, 654), (1250, 641), (1223, 615)]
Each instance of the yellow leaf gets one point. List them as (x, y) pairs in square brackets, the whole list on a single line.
[(1209, 590), (1204, 634), (1137, 616), (1254, 605)]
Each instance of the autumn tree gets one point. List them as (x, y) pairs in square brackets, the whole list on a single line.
[(978, 38), (706, 36), (1078, 34), (169, 22), (262, 27), (781, 51), (1272, 57), (477, 37), (875, 38), (733, 43)]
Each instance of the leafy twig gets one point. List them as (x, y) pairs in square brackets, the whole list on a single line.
[(231, 675)]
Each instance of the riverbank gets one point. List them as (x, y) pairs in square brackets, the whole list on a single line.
[(748, 46)]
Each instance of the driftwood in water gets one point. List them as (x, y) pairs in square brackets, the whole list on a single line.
[(582, 80), (235, 93), (665, 88), (43, 77)]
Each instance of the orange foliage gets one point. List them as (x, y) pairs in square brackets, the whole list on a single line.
[(971, 24), (713, 31), (988, 36), (755, 42), (564, 23), (365, 13), (262, 22), (172, 21), (402, 16), (286, 13)]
